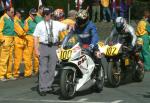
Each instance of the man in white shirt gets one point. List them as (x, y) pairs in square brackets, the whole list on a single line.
[(46, 34)]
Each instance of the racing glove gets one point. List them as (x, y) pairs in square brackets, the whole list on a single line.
[(91, 47)]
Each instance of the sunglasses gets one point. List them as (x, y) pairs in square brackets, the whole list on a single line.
[(12, 12), (34, 14)]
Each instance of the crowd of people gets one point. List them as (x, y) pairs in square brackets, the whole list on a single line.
[(110, 9), (35, 40)]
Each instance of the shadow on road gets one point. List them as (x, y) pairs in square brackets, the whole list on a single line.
[(85, 92), (125, 81), (78, 94), (35, 88), (147, 95)]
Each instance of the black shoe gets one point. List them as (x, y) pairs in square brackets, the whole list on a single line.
[(42, 93), (51, 91)]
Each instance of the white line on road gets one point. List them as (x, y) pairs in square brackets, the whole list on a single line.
[(117, 101), (82, 100), (56, 101)]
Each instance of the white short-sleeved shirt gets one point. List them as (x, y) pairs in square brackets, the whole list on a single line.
[(41, 31)]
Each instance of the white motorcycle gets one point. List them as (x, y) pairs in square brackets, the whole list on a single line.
[(79, 71)]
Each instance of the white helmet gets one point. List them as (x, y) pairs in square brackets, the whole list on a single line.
[(120, 24)]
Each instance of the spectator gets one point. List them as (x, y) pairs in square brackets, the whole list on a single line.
[(114, 11), (146, 16), (39, 17), (47, 33), (95, 10), (123, 9), (7, 39), (86, 4), (106, 10), (59, 15), (21, 50), (143, 29), (71, 18), (69, 21), (29, 27), (79, 4)]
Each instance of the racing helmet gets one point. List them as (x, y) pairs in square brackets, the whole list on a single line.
[(120, 24), (81, 17), (59, 14)]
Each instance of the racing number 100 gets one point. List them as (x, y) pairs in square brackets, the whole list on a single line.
[(65, 54)]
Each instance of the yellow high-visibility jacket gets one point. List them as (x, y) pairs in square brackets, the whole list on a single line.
[(38, 18), (6, 26), (18, 26), (30, 25), (62, 34), (143, 28), (105, 3)]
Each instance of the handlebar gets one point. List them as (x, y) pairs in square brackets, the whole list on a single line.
[(128, 48)]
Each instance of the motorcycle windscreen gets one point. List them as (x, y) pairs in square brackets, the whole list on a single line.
[(65, 52), (69, 41)]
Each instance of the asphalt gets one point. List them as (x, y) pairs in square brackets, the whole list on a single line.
[(25, 91)]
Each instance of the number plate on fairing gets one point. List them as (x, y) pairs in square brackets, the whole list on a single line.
[(112, 50), (65, 54)]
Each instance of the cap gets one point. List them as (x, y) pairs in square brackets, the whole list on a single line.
[(72, 13), (21, 11), (41, 7), (7, 8), (32, 11), (47, 11)]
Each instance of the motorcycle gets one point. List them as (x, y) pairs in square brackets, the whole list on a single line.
[(78, 70), (121, 61)]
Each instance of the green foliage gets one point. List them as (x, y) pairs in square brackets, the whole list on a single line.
[(28, 4), (143, 0)]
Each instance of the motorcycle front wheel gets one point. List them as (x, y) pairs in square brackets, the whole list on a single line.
[(67, 83), (114, 74), (100, 79), (138, 75)]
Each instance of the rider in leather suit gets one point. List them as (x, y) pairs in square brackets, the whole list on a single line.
[(125, 30), (85, 30)]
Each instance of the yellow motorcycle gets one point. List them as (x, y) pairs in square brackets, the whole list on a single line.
[(121, 62)]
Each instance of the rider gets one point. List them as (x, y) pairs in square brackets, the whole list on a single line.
[(125, 30), (85, 30), (87, 35)]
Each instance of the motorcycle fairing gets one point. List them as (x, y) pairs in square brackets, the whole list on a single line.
[(86, 67), (110, 50), (81, 60)]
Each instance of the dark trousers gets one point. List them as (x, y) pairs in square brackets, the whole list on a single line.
[(47, 65), (96, 9)]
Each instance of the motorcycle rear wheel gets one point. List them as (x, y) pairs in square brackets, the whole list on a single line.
[(114, 74), (67, 83)]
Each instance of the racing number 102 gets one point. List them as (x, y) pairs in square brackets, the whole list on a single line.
[(110, 51)]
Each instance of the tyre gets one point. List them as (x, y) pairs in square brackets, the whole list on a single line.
[(100, 80), (114, 74), (67, 83), (139, 73)]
